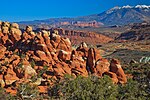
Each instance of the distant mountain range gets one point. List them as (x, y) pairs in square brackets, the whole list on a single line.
[(114, 16)]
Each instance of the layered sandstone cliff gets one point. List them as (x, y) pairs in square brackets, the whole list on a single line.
[(76, 37)]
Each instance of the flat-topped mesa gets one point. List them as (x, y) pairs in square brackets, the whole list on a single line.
[(48, 55)]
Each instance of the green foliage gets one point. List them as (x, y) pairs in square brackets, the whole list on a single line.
[(22, 56), (34, 78), (27, 92), (139, 87), (132, 91), (20, 65), (32, 63), (16, 53), (81, 88)]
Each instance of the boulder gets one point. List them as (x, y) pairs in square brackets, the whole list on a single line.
[(10, 76), (2, 51), (28, 71), (56, 32), (41, 55), (64, 55), (79, 69), (5, 29), (43, 89), (101, 66), (4, 39), (93, 56), (14, 60), (6, 24), (116, 68), (55, 39), (64, 44), (58, 70), (54, 56), (47, 41), (28, 29), (15, 35), (83, 49), (66, 68), (78, 64), (15, 25)]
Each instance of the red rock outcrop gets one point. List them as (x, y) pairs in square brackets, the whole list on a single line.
[(47, 55), (115, 67)]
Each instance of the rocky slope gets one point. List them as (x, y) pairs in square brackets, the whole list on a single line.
[(140, 31), (46, 57)]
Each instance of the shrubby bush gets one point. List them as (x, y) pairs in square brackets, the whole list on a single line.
[(94, 88), (27, 92), (81, 88), (139, 87), (132, 91)]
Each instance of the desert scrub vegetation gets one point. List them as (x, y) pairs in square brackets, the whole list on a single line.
[(141, 77), (94, 88), (82, 88), (27, 92)]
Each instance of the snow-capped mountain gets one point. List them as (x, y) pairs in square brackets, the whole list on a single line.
[(128, 7), (125, 15)]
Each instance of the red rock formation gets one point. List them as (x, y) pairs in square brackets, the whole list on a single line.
[(116, 68), (93, 57), (49, 56), (102, 66)]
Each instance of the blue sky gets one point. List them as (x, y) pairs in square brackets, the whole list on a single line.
[(23, 10)]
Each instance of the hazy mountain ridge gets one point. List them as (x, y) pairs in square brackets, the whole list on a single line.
[(114, 16)]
